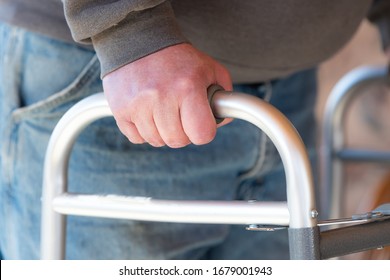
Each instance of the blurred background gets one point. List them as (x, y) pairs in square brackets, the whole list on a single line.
[(367, 123)]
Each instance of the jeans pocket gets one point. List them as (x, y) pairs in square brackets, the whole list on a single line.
[(28, 128), (25, 139), (86, 83)]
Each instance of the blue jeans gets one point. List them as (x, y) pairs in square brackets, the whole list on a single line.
[(41, 78)]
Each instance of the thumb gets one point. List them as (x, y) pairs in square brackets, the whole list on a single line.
[(223, 80)]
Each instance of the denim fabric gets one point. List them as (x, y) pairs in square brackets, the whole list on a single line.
[(41, 78)]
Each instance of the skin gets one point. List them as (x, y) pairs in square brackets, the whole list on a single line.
[(161, 99)]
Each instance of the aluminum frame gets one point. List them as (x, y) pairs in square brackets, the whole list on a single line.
[(333, 149), (298, 212)]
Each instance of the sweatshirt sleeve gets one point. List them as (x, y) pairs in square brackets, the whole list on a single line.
[(122, 31), (379, 14)]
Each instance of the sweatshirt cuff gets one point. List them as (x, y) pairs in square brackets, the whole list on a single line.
[(138, 35)]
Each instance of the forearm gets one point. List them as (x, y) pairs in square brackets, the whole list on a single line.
[(123, 31)]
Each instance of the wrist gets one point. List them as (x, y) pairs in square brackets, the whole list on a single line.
[(140, 34)]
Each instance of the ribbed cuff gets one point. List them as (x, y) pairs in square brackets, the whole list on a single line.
[(138, 35)]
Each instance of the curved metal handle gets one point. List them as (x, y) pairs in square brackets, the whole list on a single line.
[(349, 87), (298, 213)]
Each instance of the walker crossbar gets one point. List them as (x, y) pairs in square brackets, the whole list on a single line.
[(353, 239)]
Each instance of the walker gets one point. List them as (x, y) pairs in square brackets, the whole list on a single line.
[(333, 150), (298, 214)]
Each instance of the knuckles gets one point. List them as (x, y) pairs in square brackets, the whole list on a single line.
[(138, 104)]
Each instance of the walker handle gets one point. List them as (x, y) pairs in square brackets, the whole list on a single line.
[(299, 213)]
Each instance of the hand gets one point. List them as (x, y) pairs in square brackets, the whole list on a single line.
[(161, 99)]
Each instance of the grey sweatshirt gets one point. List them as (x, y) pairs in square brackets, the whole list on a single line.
[(256, 40)]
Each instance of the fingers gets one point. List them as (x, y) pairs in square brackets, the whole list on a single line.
[(223, 77), (169, 122), (131, 132), (224, 80), (148, 131), (168, 107), (198, 121)]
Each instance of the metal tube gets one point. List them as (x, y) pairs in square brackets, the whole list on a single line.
[(340, 97), (364, 155), (299, 181), (352, 239), (55, 177), (148, 209), (300, 191), (307, 242)]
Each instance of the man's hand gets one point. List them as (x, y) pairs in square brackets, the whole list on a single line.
[(162, 98)]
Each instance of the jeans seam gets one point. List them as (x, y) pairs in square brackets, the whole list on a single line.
[(8, 150), (18, 115)]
